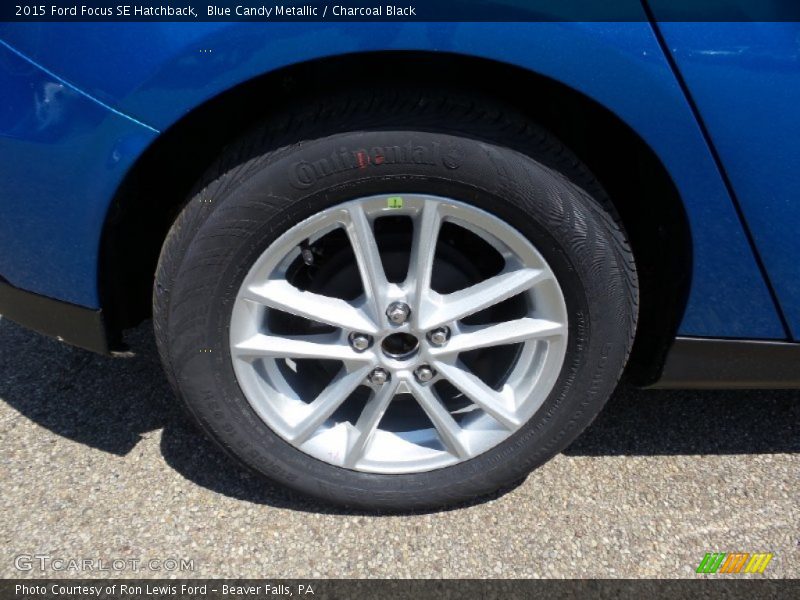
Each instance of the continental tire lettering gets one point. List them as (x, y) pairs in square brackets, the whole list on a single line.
[(304, 174), (452, 157)]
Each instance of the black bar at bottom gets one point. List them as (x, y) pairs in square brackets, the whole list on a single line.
[(705, 586)]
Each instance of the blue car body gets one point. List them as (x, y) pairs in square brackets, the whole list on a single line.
[(715, 102)]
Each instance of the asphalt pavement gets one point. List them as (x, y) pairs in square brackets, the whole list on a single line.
[(98, 464)]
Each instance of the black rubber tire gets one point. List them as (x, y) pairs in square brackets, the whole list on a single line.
[(486, 155)]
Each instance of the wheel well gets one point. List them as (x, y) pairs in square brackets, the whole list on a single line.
[(642, 191)]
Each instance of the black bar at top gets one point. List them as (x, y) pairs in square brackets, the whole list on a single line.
[(412, 10)]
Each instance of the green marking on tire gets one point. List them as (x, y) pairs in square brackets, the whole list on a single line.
[(394, 202)]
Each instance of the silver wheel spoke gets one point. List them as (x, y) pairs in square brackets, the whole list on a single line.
[(327, 402), (482, 295), (368, 422), (423, 249), (281, 295), (509, 332), (362, 239), (262, 345), (481, 394), (450, 432)]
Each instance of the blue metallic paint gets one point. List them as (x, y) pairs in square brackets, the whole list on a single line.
[(745, 79), (156, 73), (63, 156)]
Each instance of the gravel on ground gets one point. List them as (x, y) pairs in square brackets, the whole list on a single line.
[(97, 462)]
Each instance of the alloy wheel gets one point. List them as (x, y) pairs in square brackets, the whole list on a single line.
[(398, 333)]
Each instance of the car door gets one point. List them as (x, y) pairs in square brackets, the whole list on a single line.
[(744, 81)]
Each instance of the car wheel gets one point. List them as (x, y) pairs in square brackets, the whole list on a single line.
[(395, 301)]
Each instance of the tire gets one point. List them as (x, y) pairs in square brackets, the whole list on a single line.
[(455, 153)]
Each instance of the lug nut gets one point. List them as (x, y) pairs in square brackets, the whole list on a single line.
[(398, 312), (379, 376), (423, 374), (360, 341), (439, 336)]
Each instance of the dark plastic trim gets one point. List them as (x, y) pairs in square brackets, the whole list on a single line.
[(76, 325), (702, 363)]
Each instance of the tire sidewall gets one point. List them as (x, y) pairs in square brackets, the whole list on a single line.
[(257, 203)]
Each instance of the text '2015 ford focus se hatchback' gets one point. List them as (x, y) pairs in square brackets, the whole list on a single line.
[(398, 265)]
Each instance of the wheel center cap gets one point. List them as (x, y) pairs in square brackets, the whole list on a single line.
[(400, 346)]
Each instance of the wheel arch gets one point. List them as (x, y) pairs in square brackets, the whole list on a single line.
[(637, 182)]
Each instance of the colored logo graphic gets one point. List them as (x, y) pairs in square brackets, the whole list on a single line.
[(394, 202), (734, 562)]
